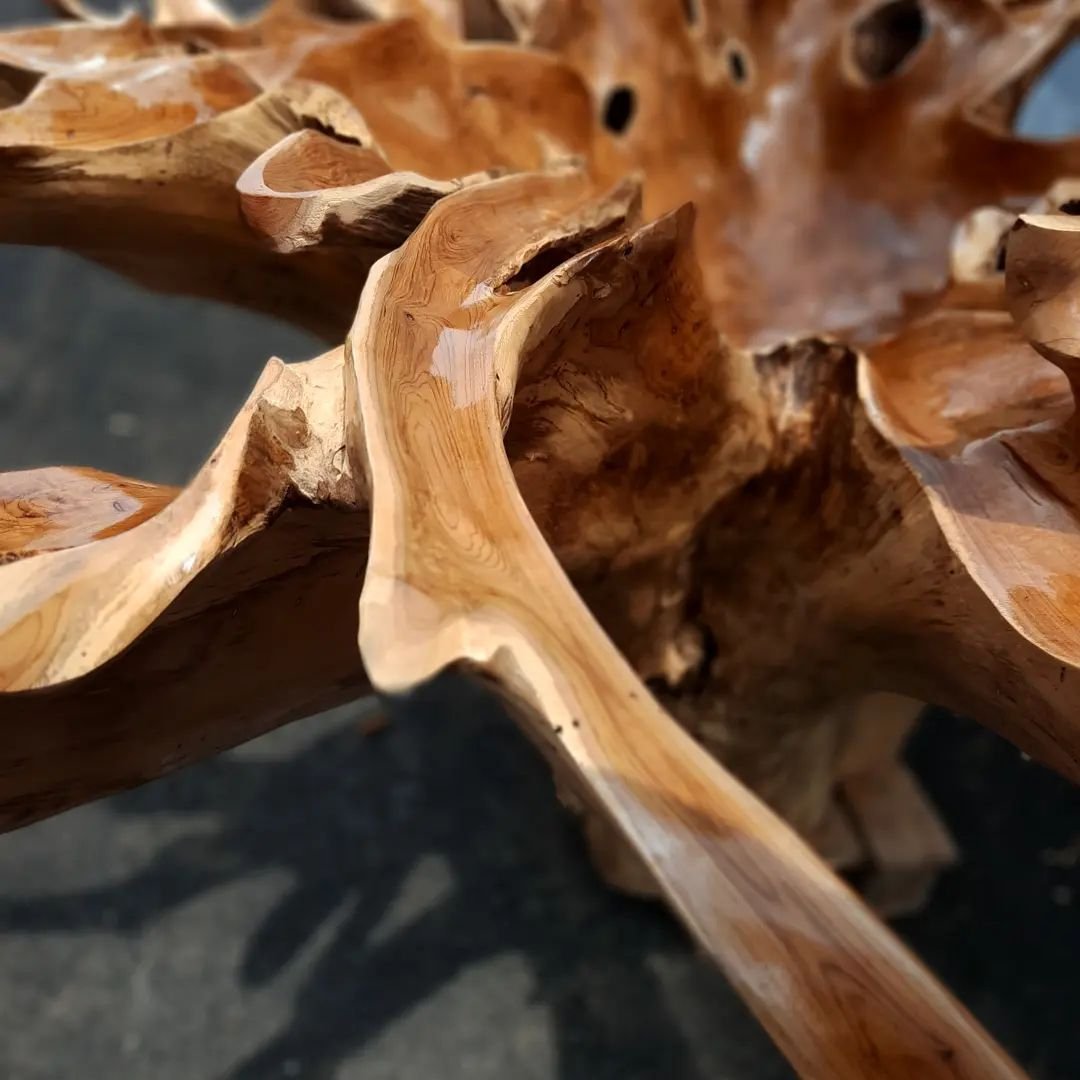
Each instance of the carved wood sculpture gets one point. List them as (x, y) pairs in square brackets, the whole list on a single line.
[(574, 441)]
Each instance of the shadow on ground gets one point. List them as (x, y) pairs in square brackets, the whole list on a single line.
[(409, 859)]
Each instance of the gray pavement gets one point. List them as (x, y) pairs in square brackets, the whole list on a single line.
[(411, 904)]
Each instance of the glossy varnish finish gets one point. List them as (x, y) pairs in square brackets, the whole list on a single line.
[(458, 572), (816, 214)]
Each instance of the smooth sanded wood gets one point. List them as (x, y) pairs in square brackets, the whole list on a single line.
[(458, 572)]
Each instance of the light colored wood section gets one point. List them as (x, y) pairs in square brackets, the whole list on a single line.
[(310, 189), (976, 396), (49, 509), (815, 216), (64, 613), (968, 402), (458, 572), (141, 630), (759, 539), (69, 610), (200, 12)]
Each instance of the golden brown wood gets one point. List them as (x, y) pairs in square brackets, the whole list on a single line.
[(458, 572), (116, 129), (264, 635), (145, 629), (310, 190), (773, 539), (49, 509), (65, 612), (815, 215), (792, 125), (985, 424)]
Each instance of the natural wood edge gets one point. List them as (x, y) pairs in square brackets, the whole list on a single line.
[(66, 612), (263, 636), (310, 189), (227, 612)]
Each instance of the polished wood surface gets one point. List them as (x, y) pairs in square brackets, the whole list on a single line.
[(814, 215), (986, 423), (310, 190), (72, 609), (541, 391), (142, 629), (265, 634), (458, 572)]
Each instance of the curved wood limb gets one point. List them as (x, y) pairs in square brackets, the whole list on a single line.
[(749, 541), (986, 425), (733, 119), (141, 630), (458, 572), (121, 129)]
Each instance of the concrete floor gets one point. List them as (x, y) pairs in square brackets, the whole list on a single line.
[(414, 904)]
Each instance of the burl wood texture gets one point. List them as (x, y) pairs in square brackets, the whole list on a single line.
[(458, 571)]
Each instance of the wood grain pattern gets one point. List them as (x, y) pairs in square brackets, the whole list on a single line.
[(458, 572), (49, 509), (141, 629), (310, 190), (578, 483), (814, 216), (265, 634)]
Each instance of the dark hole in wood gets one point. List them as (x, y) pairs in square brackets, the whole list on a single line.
[(619, 109), (338, 10), (1070, 207), (690, 12), (736, 63), (887, 36)]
